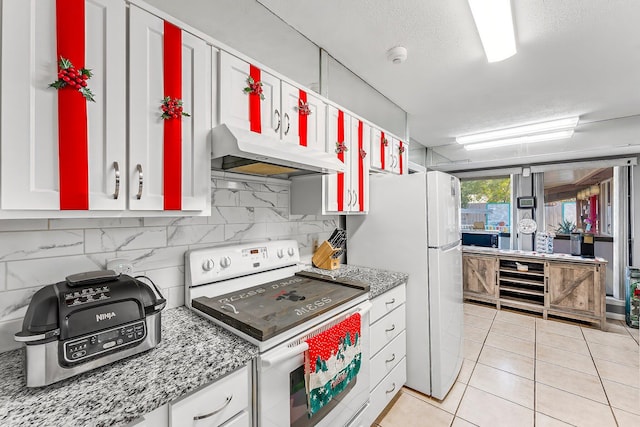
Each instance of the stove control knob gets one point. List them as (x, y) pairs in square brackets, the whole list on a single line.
[(208, 264), (290, 251), (280, 253), (225, 262)]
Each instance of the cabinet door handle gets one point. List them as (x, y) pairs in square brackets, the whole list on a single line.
[(211, 414), (140, 181), (546, 285), (393, 388), (355, 198), (116, 168), (393, 328), (350, 197), (393, 301), (286, 116), (393, 357), (277, 113)]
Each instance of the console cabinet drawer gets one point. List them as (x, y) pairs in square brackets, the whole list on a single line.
[(387, 328), (387, 358), (387, 302)]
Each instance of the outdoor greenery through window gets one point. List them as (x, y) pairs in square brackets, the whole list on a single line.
[(486, 204)]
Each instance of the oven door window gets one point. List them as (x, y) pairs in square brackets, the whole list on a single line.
[(298, 407)]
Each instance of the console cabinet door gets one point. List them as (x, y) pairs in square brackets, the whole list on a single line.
[(337, 187), (479, 274), (380, 150), (574, 287), (146, 127), (29, 151), (293, 114)]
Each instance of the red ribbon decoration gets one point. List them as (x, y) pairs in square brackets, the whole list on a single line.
[(172, 127), (382, 150), (341, 157), (255, 120), (73, 151), (401, 151), (302, 119), (360, 167)]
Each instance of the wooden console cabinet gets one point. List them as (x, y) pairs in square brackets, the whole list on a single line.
[(556, 285)]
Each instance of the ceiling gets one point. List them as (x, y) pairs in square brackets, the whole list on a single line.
[(575, 57)]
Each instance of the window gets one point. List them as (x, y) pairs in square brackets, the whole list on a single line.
[(486, 204)]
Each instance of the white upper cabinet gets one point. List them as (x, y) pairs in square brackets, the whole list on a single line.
[(380, 150), (399, 156), (347, 192), (53, 155), (254, 100), (303, 118), (168, 167)]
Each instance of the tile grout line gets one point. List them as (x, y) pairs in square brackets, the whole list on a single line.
[(606, 395)]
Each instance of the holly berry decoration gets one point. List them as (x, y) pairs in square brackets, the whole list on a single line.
[(341, 148), (363, 153), (254, 88), (69, 76), (303, 108), (401, 149), (172, 108), (385, 142)]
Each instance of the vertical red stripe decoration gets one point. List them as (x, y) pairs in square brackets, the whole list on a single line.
[(341, 157), (255, 119), (73, 152), (302, 119), (382, 150), (360, 167), (172, 127), (401, 156)]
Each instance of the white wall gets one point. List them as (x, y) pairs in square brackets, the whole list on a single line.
[(34, 253)]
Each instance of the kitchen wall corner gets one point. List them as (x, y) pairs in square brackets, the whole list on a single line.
[(38, 252)]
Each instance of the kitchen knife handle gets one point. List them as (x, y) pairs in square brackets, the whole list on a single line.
[(224, 405), (286, 116), (116, 168), (277, 113), (140, 181)]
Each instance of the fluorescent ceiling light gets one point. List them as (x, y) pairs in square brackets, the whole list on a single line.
[(534, 128), (527, 139), (495, 26)]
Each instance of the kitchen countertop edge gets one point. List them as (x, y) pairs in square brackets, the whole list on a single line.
[(379, 281)]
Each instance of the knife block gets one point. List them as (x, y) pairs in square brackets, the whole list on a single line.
[(322, 258)]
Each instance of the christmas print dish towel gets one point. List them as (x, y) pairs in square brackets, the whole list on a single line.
[(332, 362)]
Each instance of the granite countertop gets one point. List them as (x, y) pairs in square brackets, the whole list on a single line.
[(380, 281), (531, 254), (193, 352)]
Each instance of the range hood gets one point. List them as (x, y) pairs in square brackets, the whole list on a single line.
[(241, 151)]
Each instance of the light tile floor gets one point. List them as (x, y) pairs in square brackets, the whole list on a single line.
[(521, 370)]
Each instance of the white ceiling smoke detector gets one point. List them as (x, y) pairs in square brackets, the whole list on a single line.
[(397, 55)]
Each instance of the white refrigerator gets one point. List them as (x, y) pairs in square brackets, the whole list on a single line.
[(413, 226)]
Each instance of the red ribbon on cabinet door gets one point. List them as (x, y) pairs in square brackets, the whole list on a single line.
[(341, 157), (172, 127), (400, 154), (302, 119), (382, 150), (255, 119), (73, 151), (360, 167)]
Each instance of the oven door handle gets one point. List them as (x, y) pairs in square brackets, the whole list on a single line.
[(284, 355), (302, 347)]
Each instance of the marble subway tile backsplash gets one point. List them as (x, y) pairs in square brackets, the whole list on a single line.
[(37, 252)]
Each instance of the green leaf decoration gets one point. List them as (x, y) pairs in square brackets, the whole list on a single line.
[(65, 63), (88, 95)]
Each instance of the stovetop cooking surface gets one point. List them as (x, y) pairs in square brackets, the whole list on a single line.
[(267, 310)]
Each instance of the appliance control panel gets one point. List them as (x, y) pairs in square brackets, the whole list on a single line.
[(85, 295), (79, 349), (226, 262)]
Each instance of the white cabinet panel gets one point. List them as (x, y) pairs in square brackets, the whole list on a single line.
[(29, 120), (387, 328), (387, 302), (146, 127), (380, 150), (292, 131)]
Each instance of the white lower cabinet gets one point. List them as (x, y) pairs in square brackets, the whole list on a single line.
[(388, 365), (225, 402)]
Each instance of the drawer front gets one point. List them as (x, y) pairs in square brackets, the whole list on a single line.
[(242, 420), (224, 399), (387, 328), (387, 389), (388, 358), (386, 302)]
